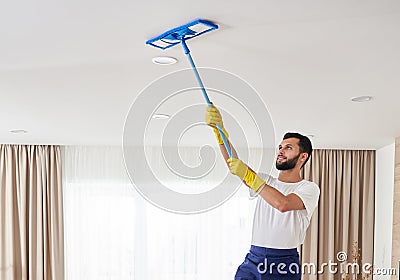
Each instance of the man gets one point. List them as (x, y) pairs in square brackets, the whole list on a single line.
[(283, 211)]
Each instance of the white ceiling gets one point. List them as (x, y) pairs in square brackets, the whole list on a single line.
[(70, 70)]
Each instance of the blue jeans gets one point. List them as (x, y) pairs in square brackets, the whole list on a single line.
[(270, 264)]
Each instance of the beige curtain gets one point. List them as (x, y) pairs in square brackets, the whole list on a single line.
[(31, 213), (346, 209)]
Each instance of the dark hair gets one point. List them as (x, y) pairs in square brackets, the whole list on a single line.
[(304, 143)]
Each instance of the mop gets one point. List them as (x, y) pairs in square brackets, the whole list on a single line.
[(180, 35)]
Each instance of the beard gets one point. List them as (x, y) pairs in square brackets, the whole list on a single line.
[(289, 164)]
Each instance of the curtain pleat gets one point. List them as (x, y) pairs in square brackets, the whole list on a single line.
[(31, 213), (345, 214)]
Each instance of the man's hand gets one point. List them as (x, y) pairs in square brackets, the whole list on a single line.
[(237, 167), (213, 117)]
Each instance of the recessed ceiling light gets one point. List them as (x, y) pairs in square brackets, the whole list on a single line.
[(362, 99), (18, 131), (164, 60), (310, 135), (161, 116)]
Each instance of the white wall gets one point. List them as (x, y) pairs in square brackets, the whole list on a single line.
[(384, 208)]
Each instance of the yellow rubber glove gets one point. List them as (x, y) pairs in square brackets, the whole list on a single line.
[(213, 117), (241, 170)]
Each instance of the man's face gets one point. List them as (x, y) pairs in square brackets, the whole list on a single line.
[(288, 154)]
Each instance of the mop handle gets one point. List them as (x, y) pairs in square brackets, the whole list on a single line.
[(196, 73)]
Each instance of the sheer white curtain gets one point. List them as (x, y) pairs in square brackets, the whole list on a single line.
[(111, 232)]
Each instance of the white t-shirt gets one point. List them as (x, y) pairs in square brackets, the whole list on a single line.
[(273, 229)]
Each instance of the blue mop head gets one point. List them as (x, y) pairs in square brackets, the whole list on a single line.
[(188, 31)]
